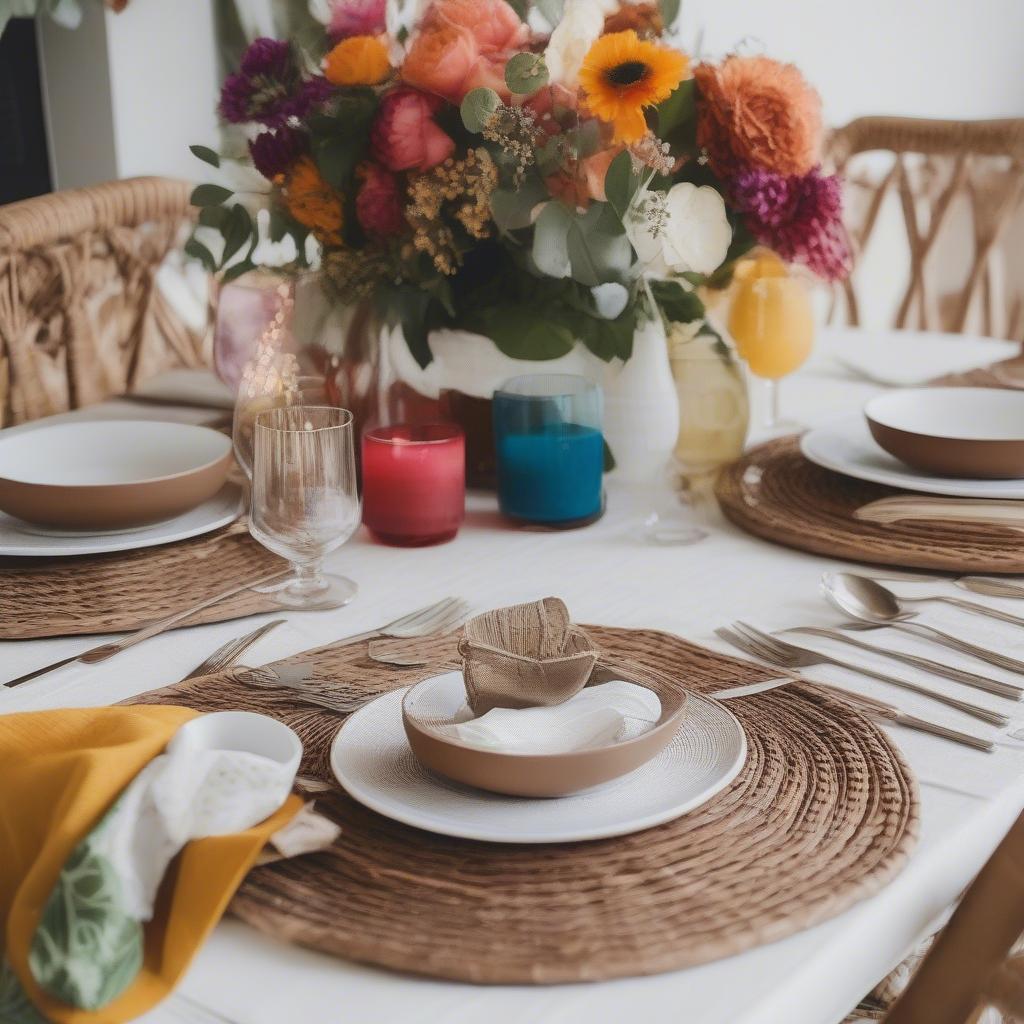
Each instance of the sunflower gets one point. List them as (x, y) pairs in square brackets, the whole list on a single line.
[(622, 74)]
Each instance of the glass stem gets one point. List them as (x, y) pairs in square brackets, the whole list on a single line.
[(774, 415), (308, 578)]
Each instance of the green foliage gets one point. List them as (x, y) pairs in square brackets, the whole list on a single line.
[(522, 332), (66, 13), (551, 10), (621, 183), (669, 11), (599, 250), (551, 240), (677, 119), (678, 304), (512, 208), (478, 108), (339, 141), (525, 73), (207, 155), (210, 195)]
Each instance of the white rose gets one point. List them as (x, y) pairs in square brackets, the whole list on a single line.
[(581, 25), (697, 233), (694, 234)]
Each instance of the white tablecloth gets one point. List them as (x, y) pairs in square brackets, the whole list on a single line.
[(607, 573)]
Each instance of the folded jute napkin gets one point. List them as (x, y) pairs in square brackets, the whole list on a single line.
[(528, 655), (96, 802)]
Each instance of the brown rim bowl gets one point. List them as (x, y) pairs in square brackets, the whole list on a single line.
[(544, 775), (110, 474), (972, 433)]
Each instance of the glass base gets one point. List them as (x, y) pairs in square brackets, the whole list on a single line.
[(321, 594), (399, 540), (565, 524)]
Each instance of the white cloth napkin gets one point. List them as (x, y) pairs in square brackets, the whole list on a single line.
[(595, 716)]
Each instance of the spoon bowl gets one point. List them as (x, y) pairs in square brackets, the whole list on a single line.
[(862, 598)]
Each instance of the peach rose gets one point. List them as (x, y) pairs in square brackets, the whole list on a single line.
[(493, 24), (440, 61), (755, 111)]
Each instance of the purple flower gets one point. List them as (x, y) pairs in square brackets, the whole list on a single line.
[(274, 152), (800, 217), (269, 87), (356, 18)]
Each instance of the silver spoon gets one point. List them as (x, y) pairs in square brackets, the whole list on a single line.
[(956, 602), (875, 606)]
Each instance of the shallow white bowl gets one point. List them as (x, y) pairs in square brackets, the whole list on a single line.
[(110, 474), (959, 432)]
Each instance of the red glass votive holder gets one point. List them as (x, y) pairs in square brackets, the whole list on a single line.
[(414, 483)]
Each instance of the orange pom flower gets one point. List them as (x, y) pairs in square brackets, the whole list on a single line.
[(622, 74), (314, 203), (757, 111), (358, 60)]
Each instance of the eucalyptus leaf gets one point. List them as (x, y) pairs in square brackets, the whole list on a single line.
[(207, 155), (523, 332), (621, 184), (551, 10), (210, 195), (669, 12), (512, 209), (599, 250), (237, 270), (478, 108), (525, 73), (551, 240), (677, 117), (213, 217)]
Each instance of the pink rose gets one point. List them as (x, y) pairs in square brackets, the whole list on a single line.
[(356, 18), (379, 202), (493, 24), (404, 136)]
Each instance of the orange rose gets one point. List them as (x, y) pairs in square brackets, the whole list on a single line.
[(757, 111), (358, 60), (493, 24), (440, 60)]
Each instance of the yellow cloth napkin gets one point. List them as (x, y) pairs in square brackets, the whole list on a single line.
[(60, 771)]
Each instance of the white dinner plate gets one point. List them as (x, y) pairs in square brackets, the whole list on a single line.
[(372, 760), (21, 540), (846, 446)]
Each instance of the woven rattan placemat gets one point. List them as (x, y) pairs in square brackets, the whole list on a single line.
[(128, 589), (773, 492), (824, 813)]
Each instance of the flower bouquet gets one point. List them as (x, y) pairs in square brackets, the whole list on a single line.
[(548, 181)]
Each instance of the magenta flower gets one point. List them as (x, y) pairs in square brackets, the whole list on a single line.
[(404, 136), (274, 152), (356, 18), (800, 217), (269, 88)]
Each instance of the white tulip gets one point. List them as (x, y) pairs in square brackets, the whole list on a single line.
[(581, 25)]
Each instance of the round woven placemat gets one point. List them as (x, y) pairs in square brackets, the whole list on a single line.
[(775, 493), (129, 589), (823, 814)]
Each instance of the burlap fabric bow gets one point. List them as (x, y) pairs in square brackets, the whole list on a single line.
[(529, 655)]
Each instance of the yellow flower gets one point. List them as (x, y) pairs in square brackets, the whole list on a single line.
[(622, 74), (312, 201), (358, 60)]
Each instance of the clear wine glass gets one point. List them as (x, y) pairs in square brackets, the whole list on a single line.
[(304, 498)]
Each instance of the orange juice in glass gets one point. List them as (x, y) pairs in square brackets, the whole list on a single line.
[(772, 323)]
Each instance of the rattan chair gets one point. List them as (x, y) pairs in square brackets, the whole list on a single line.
[(959, 189), (973, 970), (80, 316)]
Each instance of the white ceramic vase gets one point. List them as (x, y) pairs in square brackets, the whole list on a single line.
[(641, 413)]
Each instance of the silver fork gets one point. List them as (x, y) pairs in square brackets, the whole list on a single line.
[(958, 675), (867, 705), (793, 656), (442, 617), (228, 653)]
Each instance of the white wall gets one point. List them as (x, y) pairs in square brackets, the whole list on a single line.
[(921, 58)]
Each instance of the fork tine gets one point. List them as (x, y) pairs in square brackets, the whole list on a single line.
[(453, 619), (415, 620), (761, 650), (782, 650), (732, 637)]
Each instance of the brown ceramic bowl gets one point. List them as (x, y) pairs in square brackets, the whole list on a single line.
[(976, 433), (535, 775), (110, 474)]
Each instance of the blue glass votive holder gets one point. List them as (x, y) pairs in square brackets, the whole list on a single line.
[(550, 449)]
